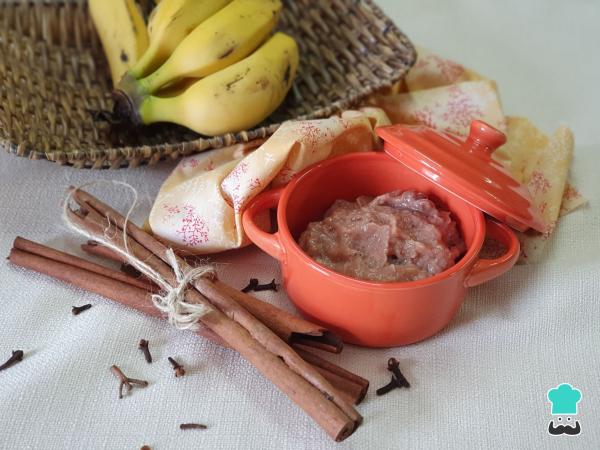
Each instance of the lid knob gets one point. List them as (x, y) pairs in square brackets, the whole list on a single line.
[(484, 138)]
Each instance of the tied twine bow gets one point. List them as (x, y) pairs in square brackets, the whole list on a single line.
[(171, 300), (181, 314)]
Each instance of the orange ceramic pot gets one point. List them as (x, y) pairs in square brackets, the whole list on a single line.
[(372, 314)]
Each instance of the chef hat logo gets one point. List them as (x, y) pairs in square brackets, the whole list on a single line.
[(564, 399)]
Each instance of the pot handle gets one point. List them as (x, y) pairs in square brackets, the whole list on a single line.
[(268, 242), (488, 269)]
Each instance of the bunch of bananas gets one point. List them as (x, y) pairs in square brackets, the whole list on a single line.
[(210, 65)]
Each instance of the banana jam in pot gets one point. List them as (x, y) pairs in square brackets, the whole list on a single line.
[(398, 236)]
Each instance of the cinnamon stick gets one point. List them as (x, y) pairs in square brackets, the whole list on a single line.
[(288, 327), (56, 255), (146, 248), (335, 423), (93, 248), (251, 338), (104, 285), (351, 386)]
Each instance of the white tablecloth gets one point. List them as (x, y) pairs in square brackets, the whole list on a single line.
[(481, 383)]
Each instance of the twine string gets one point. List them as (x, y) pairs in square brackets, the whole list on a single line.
[(171, 300)]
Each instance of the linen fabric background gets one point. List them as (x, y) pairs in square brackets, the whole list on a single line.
[(480, 383)]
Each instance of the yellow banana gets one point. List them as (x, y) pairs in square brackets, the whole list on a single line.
[(175, 89), (122, 31), (172, 21), (234, 99), (225, 38)]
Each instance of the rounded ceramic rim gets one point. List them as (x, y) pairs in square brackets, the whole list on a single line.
[(468, 257)]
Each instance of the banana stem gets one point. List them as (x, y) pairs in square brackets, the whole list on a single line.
[(129, 98), (124, 109)]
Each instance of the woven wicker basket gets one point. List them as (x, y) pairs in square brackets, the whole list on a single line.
[(54, 74)]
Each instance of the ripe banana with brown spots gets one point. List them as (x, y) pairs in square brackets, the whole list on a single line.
[(170, 22), (122, 31), (233, 99), (221, 40)]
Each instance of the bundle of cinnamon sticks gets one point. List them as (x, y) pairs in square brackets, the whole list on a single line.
[(262, 333)]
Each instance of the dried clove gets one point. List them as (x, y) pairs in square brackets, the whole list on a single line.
[(79, 309), (126, 381), (398, 380), (272, 286), (192, 426), (254, 286), (387, 388), (17, 356), (394, 367), (143, 346), (178, 368), (251, 285)]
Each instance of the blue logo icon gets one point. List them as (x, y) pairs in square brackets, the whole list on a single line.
[(564, 399)]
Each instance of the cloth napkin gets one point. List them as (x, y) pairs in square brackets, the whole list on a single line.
[(199, 206)]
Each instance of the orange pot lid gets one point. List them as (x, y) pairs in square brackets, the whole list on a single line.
[(465, 168)]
